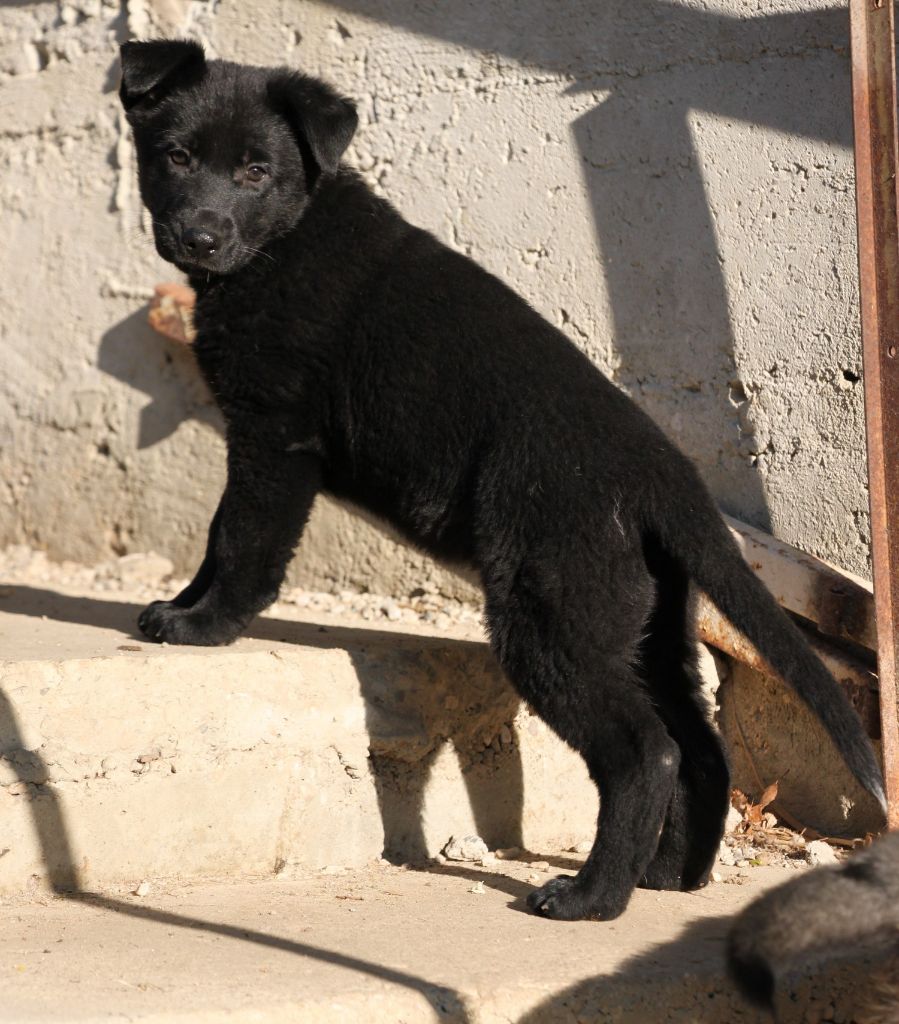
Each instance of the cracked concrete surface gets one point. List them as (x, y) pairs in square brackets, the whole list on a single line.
[(670, 183)]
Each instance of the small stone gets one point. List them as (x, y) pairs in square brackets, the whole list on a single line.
[(391, 610), (488, 859), (465, 848), (819, 853), (585, 846), (149, 756), (743, 863), (478, 889), (540, 865), (716, 876), (733, 820), (509, 853), (143, 889), (726, 856)]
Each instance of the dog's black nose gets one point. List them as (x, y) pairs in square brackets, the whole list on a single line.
[(200, 241)]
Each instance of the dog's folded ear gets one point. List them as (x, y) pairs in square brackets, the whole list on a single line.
[(320, 117), (151, 69)]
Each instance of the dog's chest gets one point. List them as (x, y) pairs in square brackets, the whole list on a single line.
[(245, 358)]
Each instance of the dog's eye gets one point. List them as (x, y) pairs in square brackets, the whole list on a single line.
[(256, 172), (180, 157)]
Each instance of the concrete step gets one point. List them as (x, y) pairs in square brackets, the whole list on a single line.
[(386, 945), (302, 746)]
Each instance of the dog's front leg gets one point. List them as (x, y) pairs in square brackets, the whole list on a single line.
[(251, 540), (204, 576)]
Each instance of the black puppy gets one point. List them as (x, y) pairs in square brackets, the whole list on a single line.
[(353, 353)]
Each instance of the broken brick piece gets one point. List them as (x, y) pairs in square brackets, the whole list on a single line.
[(171, 311)]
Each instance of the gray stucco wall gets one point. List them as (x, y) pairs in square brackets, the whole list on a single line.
[(670, 183)]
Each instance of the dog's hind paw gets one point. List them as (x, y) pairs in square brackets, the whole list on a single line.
[(565, 898)]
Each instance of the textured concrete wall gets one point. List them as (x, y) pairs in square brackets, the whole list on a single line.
[(670, 183)]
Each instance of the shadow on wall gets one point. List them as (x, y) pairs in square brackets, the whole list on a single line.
[(656, 61), (135, 354), (650, 63)]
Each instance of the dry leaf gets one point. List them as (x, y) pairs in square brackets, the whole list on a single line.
[(769, 796)]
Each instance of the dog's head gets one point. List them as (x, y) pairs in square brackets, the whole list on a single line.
[(228, 155)]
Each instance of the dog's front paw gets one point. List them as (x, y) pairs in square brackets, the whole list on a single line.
[(566, 898), (166, 622)]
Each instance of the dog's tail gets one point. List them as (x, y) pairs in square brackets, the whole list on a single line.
[(701, 542), (824, 911)]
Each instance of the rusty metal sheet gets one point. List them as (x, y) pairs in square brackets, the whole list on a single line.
[(858, 682), (874, 109), (840, 604)]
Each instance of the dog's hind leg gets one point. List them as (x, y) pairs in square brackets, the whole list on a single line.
[(694, 823), (575, 671)]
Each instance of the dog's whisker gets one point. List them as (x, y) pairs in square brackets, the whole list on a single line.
[(258, 252)]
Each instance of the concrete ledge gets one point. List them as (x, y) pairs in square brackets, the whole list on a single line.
[(304, 745)]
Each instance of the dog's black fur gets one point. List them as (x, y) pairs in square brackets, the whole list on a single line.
[(353, 353), (826, 912)]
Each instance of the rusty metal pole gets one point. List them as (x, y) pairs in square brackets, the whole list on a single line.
[(874, 107)]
